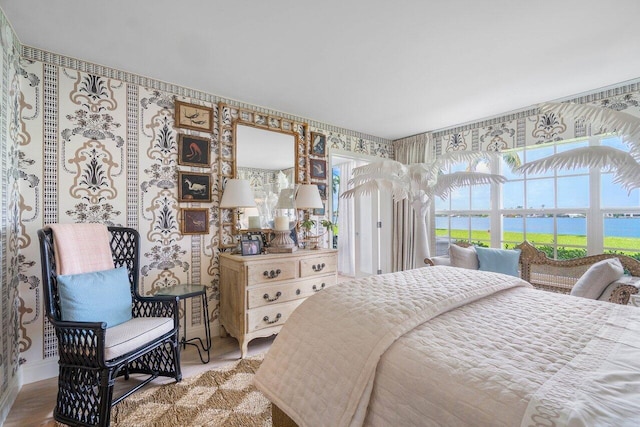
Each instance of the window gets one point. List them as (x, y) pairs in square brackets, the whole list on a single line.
[(566, 213), (465, 214)]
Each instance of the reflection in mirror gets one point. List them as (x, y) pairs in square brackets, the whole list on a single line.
[(266, 159)]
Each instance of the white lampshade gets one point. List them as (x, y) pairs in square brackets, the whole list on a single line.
[(237, 194), (308, 197)]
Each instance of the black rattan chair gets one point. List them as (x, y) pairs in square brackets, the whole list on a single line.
[(86, 378)]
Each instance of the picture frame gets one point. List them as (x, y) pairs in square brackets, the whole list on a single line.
[(192, 116), (318, 169), (194, 150), (194, 221), (194, 187), (318, 144), (258, 235), (251, 247)]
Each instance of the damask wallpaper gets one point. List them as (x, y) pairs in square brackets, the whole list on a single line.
[(14, 267)]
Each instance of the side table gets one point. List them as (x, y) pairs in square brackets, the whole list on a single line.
[(184, 292)]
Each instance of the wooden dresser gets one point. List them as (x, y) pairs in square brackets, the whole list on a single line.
[(259, 292)]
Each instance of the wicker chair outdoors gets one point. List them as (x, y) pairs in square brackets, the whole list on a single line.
[(92, 356)]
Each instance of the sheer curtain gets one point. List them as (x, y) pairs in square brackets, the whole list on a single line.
[(346, 225), (414, 149)]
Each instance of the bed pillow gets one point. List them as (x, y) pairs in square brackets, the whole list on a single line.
[(101, 296), (503, 261), (595, 280), (463, 257)]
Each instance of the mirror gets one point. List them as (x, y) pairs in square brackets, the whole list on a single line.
[(266, 158)]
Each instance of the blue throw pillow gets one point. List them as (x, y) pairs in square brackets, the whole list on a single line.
[(499, 260), (101, 296)]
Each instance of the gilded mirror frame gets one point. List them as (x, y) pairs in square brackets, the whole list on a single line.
[(230, 118)]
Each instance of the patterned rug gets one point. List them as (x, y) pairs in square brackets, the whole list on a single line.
[(221, 397)]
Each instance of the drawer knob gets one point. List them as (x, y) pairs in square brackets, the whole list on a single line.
[(315, 289), (271, 274), (318, 267), (278, 295), (270, 322), (297, 291)]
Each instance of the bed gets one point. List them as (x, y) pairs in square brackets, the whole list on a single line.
[(455, 347)]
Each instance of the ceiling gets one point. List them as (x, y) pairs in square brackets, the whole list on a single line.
[(385, 68)]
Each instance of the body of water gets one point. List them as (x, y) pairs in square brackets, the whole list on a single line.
[(613, 227)]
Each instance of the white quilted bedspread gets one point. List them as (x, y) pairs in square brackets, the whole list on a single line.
[(321, 366), (453, 347)]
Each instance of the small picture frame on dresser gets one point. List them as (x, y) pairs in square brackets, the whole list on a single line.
[(251, 247)]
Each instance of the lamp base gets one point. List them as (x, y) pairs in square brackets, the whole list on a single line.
[(282, 242)]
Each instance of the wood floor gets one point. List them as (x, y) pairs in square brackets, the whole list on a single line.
[(35, 402)]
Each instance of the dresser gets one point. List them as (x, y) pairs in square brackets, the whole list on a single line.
[(259, 292)]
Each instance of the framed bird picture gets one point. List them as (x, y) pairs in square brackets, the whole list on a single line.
[(195, 220), (192, 116), (318, 169), (194, 187), (193, 150)]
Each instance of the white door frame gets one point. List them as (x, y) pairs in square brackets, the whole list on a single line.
[(383, 213)]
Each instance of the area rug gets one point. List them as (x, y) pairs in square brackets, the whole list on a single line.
[(220, 397)]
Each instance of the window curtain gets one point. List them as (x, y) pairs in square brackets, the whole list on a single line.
[(414, 149), (346, 224)]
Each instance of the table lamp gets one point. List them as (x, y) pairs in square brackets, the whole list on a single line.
[(307, 198), (237, 194)]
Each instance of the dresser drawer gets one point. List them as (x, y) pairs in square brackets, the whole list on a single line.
[(311, 286), (289, 291), (272, 294), (270, 271), (322, 264), (270, 315)]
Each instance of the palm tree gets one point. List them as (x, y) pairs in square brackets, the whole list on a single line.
[(420, 183)]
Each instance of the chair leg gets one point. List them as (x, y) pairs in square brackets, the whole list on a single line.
[(106, 396), (176, 360), (84, 396)]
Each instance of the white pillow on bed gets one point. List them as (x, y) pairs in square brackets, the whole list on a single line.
[(595, 280), (463, 257)]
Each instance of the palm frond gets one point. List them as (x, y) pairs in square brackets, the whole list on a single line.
[(451, 158), (398, 190), (600, 157), (376, 175), (628, 175), (626, 125), (449, 182), (422, 173), (388, 167)]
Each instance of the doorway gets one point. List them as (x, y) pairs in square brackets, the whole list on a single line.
[(364, 222)]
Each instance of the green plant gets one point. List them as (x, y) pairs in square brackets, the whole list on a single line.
[(329, 225), (307, 224)]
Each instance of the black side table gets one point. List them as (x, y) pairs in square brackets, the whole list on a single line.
[(184, 292)]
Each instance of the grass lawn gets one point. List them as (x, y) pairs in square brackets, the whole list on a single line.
[(633, 244)]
